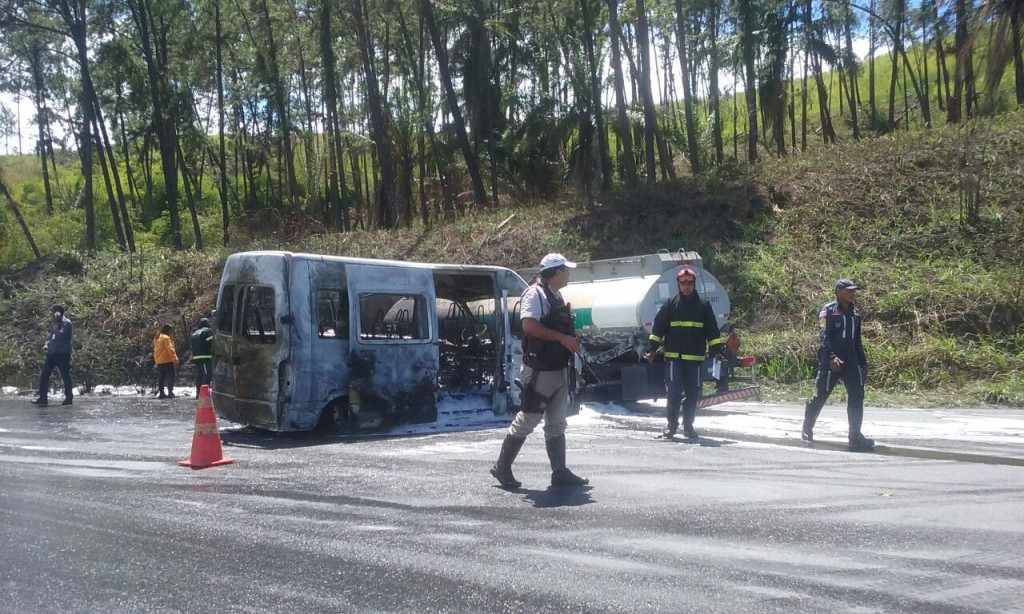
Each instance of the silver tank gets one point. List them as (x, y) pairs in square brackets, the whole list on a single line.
[(615, 300)]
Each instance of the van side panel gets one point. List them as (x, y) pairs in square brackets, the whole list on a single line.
[(320, 341), (394, 354)]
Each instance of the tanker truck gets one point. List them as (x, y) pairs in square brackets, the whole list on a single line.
[(614, 302)]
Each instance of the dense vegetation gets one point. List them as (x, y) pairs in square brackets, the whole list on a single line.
[(173, 132), (943, 300), (363, 114)]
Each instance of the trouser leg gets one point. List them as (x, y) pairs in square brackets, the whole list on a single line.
[(674, 387), (551, 390), (853, 379), (823, 386), (64, 366), (203, 373), (165, 377), (691, 390), (44, 376)]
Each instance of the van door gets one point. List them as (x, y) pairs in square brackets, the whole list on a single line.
[(394, 356), (222, 382), (512, 287), (261, 355)]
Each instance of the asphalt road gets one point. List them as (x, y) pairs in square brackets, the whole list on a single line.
[(95, 516)]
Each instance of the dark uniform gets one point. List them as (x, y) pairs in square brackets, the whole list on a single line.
[(686, 327), (840, 338), (58, 355), (202, 353)]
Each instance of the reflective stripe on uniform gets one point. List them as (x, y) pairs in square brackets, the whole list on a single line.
[(686, 323), (683, 356), (655, 338), (714, 342), (201, 356)]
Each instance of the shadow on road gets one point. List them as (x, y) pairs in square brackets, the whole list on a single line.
[(703, 442), (250, 437), (561, 496)]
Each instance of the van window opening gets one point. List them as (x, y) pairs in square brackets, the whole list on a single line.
[(393, 317), (259, 318), (226, 312), (332, 314)]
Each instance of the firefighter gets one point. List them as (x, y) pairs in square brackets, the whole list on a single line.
[(202, 353), (549, 344), (685, 329), (840, 357)]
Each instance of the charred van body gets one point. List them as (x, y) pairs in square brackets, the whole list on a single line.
[(303, 340)]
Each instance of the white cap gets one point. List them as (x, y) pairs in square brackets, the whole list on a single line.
[(555, 260)]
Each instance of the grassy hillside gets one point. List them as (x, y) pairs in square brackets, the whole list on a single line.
[(943, 301)]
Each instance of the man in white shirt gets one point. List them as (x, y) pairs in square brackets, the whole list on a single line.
[(549, 343)]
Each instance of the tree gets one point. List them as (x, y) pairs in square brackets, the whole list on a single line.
[(625, 131), (15, 210), (154, 39), (386, 207), (748, 42), (684, 62), (441, 53)]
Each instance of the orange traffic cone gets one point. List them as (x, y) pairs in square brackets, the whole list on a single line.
[(206, 451)]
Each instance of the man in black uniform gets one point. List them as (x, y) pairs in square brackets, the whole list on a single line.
[(840, 357), (202, 353), (687, 328), (549, 343), (58, 354)]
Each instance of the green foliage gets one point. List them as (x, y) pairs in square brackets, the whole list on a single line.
[(68, 263), (943, 303)]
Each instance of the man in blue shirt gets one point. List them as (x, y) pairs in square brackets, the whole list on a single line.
[(58, 354), (841, 357)]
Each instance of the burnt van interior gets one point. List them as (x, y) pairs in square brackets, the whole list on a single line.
[(469, 337)]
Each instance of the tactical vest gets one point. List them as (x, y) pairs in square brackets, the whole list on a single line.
[(544, 355)]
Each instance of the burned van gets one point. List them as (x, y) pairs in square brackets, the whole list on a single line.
[(307, 340)]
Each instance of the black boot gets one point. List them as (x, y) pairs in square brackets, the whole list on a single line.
[(860, 443), (810, 417), (502, 469), (560, 475), (689, 415)]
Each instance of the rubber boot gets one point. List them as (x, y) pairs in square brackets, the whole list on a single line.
[(810, 418), (560, 475), (502, 469), (689, 414)]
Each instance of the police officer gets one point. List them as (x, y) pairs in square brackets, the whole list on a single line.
[(686, 327), (202, 353), (58, 354), (549, 343), (840, 357)]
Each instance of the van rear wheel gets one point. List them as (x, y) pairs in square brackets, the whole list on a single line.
[(337, 417)]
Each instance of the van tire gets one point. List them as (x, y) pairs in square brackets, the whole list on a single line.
[(336, 418)]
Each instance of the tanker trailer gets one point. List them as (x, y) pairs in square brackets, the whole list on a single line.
[(614, 302)]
